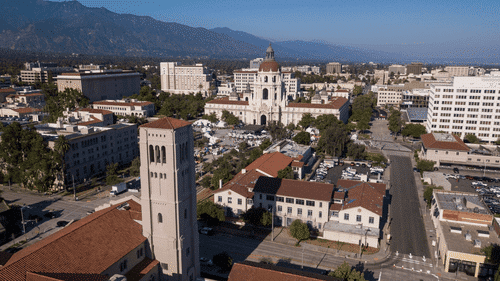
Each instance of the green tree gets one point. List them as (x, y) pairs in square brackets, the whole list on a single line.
[(299, 230), (344, 272), (428, 194), (326, 121), (492, 253), (62, 146), (363, 125), (206, 181), (277, 131), (414, 130), (358, 90), (265, 144), (223, 172), (223, 260), (286, 173), (306, 121), (211, 117), (497, 274), (257, 216), (112, 174), (395, 121), (302, 138), (242, 146), (210, 212), (135, 167), (229, 118), (333, 140), (356, 151), (471, 138), (425, 165)]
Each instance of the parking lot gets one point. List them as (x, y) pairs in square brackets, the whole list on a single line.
[(335, 173)]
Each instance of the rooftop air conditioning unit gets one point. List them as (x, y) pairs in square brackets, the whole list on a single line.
[(477, 243), (468, 236)]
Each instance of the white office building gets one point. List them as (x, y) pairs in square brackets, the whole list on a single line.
[(185, 79), (467, 105)]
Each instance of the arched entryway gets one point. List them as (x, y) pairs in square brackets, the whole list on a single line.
[(263, 120)]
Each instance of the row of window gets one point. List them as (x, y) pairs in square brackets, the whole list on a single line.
[(291, 200)]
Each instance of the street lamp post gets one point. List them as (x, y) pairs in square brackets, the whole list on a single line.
[(74, 190), (22, 219), (272, 224)]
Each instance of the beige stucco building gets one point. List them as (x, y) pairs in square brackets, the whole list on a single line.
[(270, 100), (127, 107), (101, 85), (185, 79)]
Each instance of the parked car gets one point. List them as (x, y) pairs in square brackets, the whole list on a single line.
[(206, 261), (207, 231), (456, 171), (62, 223)]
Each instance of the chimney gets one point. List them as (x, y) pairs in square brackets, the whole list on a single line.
[(243, 171), (220, 183)]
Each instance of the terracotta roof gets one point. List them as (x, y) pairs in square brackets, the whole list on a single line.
[(297, 164), (225, 100), (270, 163), (268, 66), (335, 207), (167, 123), (241, 182), (8, 90), (31, 276), (96, 111), (342, 91), (30, 95), (429, 141), (252, 271), (364, 194), (93, 121), (336, 103), (294, 188), (114, 103), (338, 195), (242, 71), (88, 246), (26, 110), (141, 269), (348, 184)]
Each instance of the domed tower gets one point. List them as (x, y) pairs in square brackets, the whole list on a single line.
[(268, 90)]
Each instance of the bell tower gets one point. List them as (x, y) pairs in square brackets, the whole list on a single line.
[(168, 197)]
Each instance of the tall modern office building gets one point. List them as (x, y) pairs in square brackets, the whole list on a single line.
[(185, 79), (467, 105), (168, 196)]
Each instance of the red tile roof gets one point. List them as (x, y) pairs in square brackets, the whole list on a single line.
[(167, 123), (252, 271), (26, 110), (93, 121), (342, 91), (336, 103), (294, 188), (270, 163), (225, 100), (241, 183), (114, 103), (430, 142), (96, 111), (9, 90), (88, 246), (338, 195), (364, 194), (335, 207), (268, 66), (31, 276), (242, 71), (297, 164), (141, 269)]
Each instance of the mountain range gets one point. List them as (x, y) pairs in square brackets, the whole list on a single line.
[(70, 27)]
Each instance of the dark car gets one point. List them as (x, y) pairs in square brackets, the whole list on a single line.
[(416, 170), (456, 171), (62, 223)]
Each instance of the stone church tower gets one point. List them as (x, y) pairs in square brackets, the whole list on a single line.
[(168, 197)]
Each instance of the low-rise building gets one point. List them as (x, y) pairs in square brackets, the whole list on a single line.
[(463, 225), (127, 107), (33, 99), (19, 112), (90, 117)]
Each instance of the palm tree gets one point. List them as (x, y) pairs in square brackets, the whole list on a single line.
[(62, 146)]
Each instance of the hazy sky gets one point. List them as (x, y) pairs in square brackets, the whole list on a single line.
[(389, 25)]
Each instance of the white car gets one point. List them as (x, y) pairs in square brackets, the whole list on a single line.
[(478, 183)]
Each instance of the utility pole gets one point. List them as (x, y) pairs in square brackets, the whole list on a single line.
[(272, 224), (22, 218), (302, 257), (74, 190)]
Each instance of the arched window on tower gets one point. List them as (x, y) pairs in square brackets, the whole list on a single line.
[(265, 94), (151, 154), (274, 78), (163, 155), (157, 152), (265, 79), (246, 99), (160, 218)]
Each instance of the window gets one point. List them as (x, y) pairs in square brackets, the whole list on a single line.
[(163, 155), (280, 199), (270, 197), (160, 218), (320, 214), (240, 201), (260, 196), (309, 213), (188, 251), (289, 200), (219, 199), (229, 200), (299, 201), (321, 204), (299, 211), (265, 93), (151, 154), (310, 203), (289, 210), (280, 209), (346, 217), (358, 218), (123, 265)]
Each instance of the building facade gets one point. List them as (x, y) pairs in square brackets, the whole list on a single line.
[(185, 79), (168, 196), (414, 68), (269, 100), (467, 105), (333, 67), (255, 63), (101, 85), (127, 107)]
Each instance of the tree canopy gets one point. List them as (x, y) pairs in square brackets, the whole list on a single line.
[(414, 130), (395, 121), (229, 118), (286, 173), (57, 102), (299, 230), (302, 138), (210, 212), (345, 272), (257, 216), (333, 140), (471, 138)]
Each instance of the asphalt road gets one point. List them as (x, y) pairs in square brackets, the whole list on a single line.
[(241, 248), (407, 226)]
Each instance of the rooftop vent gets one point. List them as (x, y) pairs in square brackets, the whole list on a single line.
[(477, 243), (455, 229), (483, 233), (123, 206), (468, 237)]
